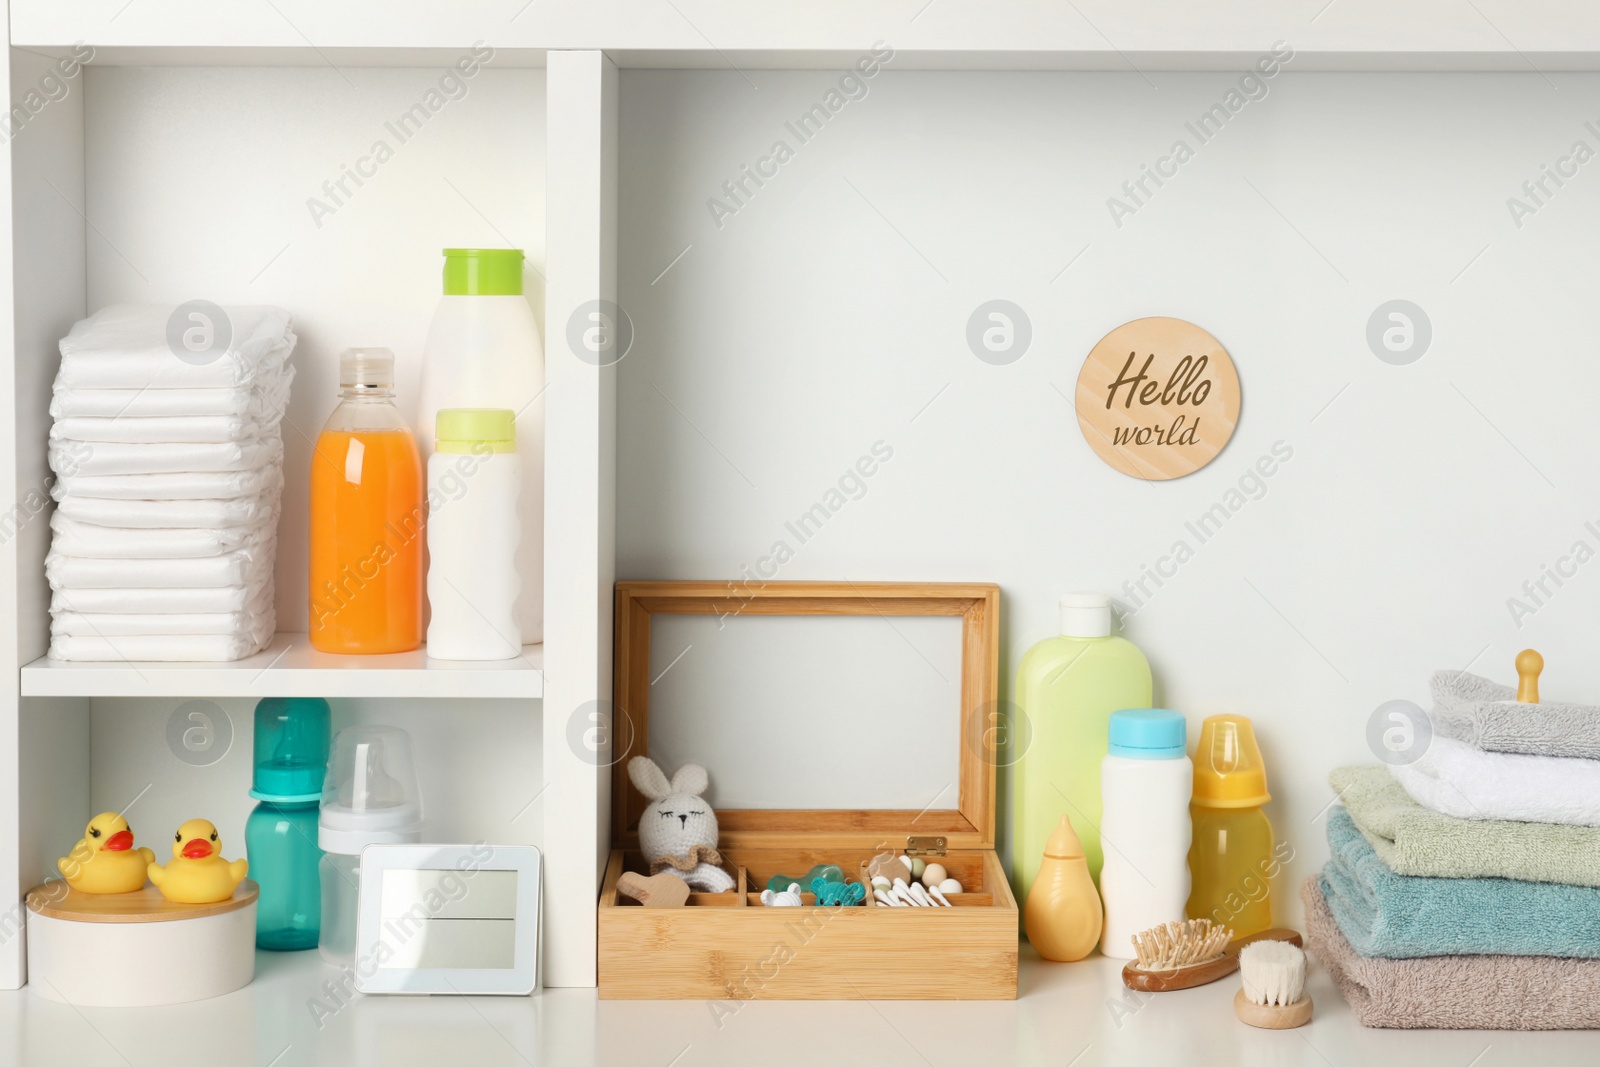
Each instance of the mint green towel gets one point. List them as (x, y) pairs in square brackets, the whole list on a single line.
[(1412, 840), (1392, 916)]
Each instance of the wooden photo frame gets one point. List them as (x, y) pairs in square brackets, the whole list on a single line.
[(971, 824)]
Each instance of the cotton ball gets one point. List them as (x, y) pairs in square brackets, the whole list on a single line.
[(933, 874), (949, 886), (917, 866), (906, 862)]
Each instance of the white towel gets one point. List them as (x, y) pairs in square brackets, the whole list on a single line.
[(177, 428), (170, 514), (188, 648), (74, 459), (231, 624), (261, 400), (254, 599), (191, 485), (126, 346), (1455, 778), (244, 566), (74, 538)]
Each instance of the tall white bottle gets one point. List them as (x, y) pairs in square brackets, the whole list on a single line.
[(484, 351), (474, 476), (1145, 782)]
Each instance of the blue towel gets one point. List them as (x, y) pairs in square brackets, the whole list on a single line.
[(1399, 917)]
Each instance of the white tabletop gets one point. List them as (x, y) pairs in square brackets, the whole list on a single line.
[(1074, 1014)]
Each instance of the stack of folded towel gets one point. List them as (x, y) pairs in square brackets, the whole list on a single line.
[(169, 468), (1463, 890)]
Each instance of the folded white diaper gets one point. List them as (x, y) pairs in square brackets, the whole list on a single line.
[(243, 566), (74, 538), (194, 485), (230, 623), (260, 400), (206, 600), (74, 459), (142, 430), (169, 514), (127, 346), (153, 648)]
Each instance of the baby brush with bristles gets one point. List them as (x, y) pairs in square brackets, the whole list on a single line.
[(1273, 992), (1182, 955)]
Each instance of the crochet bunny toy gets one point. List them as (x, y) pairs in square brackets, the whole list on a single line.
[(678, 831)]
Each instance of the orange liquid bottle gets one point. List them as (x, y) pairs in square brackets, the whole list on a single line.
[(367, 517)]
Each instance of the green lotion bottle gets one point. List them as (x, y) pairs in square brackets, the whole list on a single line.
[(1067, 688)]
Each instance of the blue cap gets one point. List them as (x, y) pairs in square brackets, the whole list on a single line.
[(1148, 733), (291, 742)]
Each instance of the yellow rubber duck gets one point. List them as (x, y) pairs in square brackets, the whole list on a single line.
[(198, 874), (105, 861)]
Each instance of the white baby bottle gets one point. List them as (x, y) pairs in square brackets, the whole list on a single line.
[(370, 797)]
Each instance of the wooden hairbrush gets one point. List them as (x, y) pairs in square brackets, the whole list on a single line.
[(1195, 952)]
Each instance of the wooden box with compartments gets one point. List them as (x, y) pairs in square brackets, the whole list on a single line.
[(728, 946)]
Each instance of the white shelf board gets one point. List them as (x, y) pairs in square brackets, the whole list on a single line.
[(1528, 36), (291, 667)]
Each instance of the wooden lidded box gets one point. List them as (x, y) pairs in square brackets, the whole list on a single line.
[(728, 946)]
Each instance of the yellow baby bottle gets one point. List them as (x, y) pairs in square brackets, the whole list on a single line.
[(1231, 857)]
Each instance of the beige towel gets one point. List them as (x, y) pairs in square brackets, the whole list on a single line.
[(1454, 992)]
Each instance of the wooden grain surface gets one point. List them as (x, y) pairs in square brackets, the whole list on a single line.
[(56, 900), (710, 949), (1125, 423)]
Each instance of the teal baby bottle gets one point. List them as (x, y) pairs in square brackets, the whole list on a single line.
[(291, 758)]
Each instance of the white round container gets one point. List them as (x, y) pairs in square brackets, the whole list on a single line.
[(133, 950), (1145, 785), (473, 536), (484, 351)]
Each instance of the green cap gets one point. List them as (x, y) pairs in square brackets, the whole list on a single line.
[(483, 272), (463, 430)]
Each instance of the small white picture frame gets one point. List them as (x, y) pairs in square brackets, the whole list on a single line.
[(448, 919)]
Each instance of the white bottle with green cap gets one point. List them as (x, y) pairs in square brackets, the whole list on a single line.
[(483, 351), (474, 480)]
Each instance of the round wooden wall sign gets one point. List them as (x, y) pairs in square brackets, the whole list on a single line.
[(1158, 398)]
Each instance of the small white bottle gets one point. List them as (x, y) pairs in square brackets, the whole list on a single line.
[(1145, 782), (369, 797), (474, 478)]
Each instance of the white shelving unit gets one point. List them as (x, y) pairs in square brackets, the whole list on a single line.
[(101, 214), (181, 163)]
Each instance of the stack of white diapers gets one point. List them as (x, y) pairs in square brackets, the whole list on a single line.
[(169, 469)]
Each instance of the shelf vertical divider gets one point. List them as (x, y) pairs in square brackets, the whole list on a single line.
[(580, 507), (44, 743)]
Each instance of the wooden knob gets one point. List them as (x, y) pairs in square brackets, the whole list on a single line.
[(1529, 664)]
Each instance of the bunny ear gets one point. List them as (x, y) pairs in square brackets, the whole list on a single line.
[(691, 779), (647, 778)]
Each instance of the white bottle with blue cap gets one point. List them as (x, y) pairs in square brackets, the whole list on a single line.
[(1145, 782)]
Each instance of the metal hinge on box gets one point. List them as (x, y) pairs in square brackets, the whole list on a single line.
[(925, 846)]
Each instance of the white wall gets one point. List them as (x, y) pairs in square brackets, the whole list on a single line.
[(829, 313)]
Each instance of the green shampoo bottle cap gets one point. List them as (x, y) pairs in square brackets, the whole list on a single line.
[(483, 272)]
